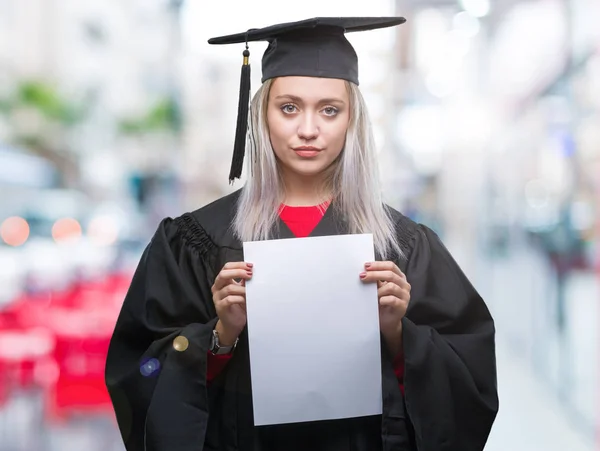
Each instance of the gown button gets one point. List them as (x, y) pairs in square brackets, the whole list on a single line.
[(180, 343)]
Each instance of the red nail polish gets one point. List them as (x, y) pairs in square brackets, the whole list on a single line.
[(363, 275), (367, 265), (250, 265)]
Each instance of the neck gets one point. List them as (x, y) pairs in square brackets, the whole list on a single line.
[(304, 191)]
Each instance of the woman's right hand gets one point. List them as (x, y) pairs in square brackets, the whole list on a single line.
[(229, 297)]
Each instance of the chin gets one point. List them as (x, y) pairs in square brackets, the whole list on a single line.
[(307, 168)]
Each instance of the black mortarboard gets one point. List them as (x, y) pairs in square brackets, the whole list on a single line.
[(311, 48)]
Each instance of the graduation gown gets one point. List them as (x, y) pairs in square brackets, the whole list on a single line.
[(163, 402)]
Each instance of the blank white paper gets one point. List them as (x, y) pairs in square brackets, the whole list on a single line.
[(313, 329)]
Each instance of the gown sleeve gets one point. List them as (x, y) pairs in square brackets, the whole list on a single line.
[(449, 348), (156, 365), (215, 365)]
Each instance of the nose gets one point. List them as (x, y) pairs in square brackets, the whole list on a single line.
[(308, 128)]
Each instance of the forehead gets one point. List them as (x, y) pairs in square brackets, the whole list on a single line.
[(309, 88)]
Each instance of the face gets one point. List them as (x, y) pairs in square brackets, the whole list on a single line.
[(308, 119)]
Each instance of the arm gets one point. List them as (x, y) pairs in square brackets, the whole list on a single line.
[(449, 348), (164, 409), (217, 363), (399, 370)]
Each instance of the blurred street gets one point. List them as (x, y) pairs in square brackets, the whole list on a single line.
[(529, 419), (532, 414), (548, 395)]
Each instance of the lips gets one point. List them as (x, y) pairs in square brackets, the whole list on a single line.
[(307, 152)]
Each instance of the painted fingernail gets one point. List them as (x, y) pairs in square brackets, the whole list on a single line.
[(367, 265), (249, 265), (249, 273), (363, 275)]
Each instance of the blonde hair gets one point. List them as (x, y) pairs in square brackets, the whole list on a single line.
[(353, 181)]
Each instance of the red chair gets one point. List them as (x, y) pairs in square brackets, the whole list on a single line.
[(79, 321), (20, 352), (80, 355)]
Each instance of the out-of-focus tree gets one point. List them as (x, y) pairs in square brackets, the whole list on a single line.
[(163, 116), (41, 119), (156, 130)]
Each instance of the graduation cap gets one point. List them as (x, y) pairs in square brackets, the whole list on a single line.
[(311, 48)]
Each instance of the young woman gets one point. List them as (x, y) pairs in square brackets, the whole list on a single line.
[(178, 368)]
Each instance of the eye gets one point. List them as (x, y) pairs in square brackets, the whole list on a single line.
[(289, 108), (330, 111)]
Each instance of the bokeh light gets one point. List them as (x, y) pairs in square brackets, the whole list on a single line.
[(14, 231), (150, 367), (103, 231), (466, 24), (66, 229), (477, 8)]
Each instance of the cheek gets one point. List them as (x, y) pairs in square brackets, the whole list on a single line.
[(278, 131), (338, 135)]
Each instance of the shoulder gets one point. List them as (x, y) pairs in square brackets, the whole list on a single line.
[(402, 222), (414, 237), (202, 230), (407, 230), (218, 213), (206, 228)]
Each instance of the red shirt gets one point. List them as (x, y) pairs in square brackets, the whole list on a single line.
[(301, 221)]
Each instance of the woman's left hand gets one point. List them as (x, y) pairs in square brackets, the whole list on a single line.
[(393, 291)]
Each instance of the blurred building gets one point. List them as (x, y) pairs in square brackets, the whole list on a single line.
[(211, 90), (115, 66), (497, 112)]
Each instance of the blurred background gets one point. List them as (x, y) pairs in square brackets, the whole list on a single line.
[(117, 113)]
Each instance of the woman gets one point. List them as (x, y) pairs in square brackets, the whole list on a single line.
[(178, 368)]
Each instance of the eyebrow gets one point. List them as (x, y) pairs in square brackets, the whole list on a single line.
[(299, 99)]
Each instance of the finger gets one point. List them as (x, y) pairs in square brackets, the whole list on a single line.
[(399, 293), (384, 276), (232, 300), (389, 301), (226, 276), (231, 289), (384, 266), (393, 305), (389, 289), (404, 285), (404, 295), (237, 265)]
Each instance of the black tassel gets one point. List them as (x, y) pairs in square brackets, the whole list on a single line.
[(239, 146)]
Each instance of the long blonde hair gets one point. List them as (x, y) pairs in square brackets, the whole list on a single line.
[(354, 179)]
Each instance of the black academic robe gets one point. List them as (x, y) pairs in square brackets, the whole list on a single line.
[(450, 397)]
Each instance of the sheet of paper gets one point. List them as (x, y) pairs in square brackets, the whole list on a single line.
[(313, 329)]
